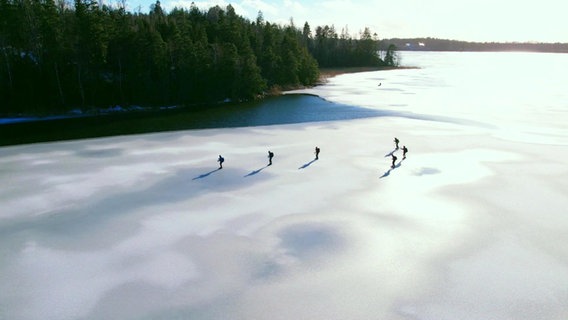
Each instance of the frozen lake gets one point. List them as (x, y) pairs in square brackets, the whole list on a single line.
[(472, 225), (516, 92)]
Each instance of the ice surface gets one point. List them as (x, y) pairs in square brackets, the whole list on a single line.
[(471, 225)]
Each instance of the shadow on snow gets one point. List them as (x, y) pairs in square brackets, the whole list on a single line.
[(387, 173), (307, 164), (252, 173), (206, 174), (390, 153)]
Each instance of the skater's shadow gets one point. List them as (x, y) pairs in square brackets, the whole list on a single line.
[(307, 164), (205, 174), (387, 173), (252, 173), (391, 153)]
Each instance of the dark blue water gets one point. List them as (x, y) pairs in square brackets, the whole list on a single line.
[(299, 108), (285, 109)]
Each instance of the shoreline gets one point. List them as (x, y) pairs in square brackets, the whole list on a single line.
[(325, 74), (27, 128)]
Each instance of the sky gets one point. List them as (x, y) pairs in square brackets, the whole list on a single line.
[(467, 20)]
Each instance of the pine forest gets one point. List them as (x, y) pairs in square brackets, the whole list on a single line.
[(57, 56)]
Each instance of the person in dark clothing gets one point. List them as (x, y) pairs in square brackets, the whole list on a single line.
[(220, 160), (393, 160), (270, 156), (404, 151), (396, 142), (317, 152)]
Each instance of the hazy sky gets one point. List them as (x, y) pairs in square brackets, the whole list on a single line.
[(479, 20)]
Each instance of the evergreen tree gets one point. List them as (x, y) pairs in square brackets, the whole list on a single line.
[(391, 58), (7, 86)]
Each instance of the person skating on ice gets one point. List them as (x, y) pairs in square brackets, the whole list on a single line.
[(220, 160), (404, 151)]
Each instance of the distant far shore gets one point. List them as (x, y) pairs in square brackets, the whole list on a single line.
[(434, 44)]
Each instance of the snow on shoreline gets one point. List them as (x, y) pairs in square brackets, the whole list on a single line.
[(77, 113)]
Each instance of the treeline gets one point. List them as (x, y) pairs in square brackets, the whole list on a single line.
[(434, 44), (341, 50), (56, 57)]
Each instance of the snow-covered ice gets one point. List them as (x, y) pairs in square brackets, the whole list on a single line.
[(473, 224)]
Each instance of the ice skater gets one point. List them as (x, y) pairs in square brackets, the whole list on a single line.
[(396, 143), (317, 152), (404, 151), (393, 160), (220, 160), (270, 156)]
